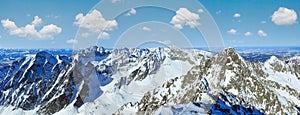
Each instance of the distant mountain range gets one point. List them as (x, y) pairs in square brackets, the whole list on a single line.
[(150, 81)]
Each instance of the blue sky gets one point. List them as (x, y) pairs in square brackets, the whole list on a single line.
[(240, 23)]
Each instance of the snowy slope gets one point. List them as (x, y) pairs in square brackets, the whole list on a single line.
[(156, 80)]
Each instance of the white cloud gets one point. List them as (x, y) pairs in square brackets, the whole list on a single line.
[(104, 35), (132, 11), (237, 15), (185, 17), (95, 22), (284, 16), (263, 22), (85, 34), (29, 31), (248, 34), (261, 33), (49, 30), (146, 28), (36, 21), (232, 31), (72, 41), (166, 42), (200, 10)]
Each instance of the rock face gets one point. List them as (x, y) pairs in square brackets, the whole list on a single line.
[(33, 81), (230, 83), (150, 81)]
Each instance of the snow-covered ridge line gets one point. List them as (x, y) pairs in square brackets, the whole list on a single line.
[(98, 80)]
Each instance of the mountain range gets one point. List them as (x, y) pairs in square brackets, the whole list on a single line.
[(149, 81)]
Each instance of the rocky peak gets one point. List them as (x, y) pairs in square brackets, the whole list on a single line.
[(229, 55), (93, 53), (226, 66), (43, 54), (291, 65)]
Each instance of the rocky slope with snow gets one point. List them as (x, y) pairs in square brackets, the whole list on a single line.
[(149, 81)]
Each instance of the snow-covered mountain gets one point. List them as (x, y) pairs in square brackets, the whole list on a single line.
[(149, 81)]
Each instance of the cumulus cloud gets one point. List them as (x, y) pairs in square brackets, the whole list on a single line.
[(36, 21), (104, 35), (146, 28), (284, 16), (200, 10), (232, 31), (185, 17), (29, 31), (237, 15), (95, 22), (132, 11), (248, 34), (261, 33), (72, 41)]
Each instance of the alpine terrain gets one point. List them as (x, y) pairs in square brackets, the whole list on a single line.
[(149, 81)]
